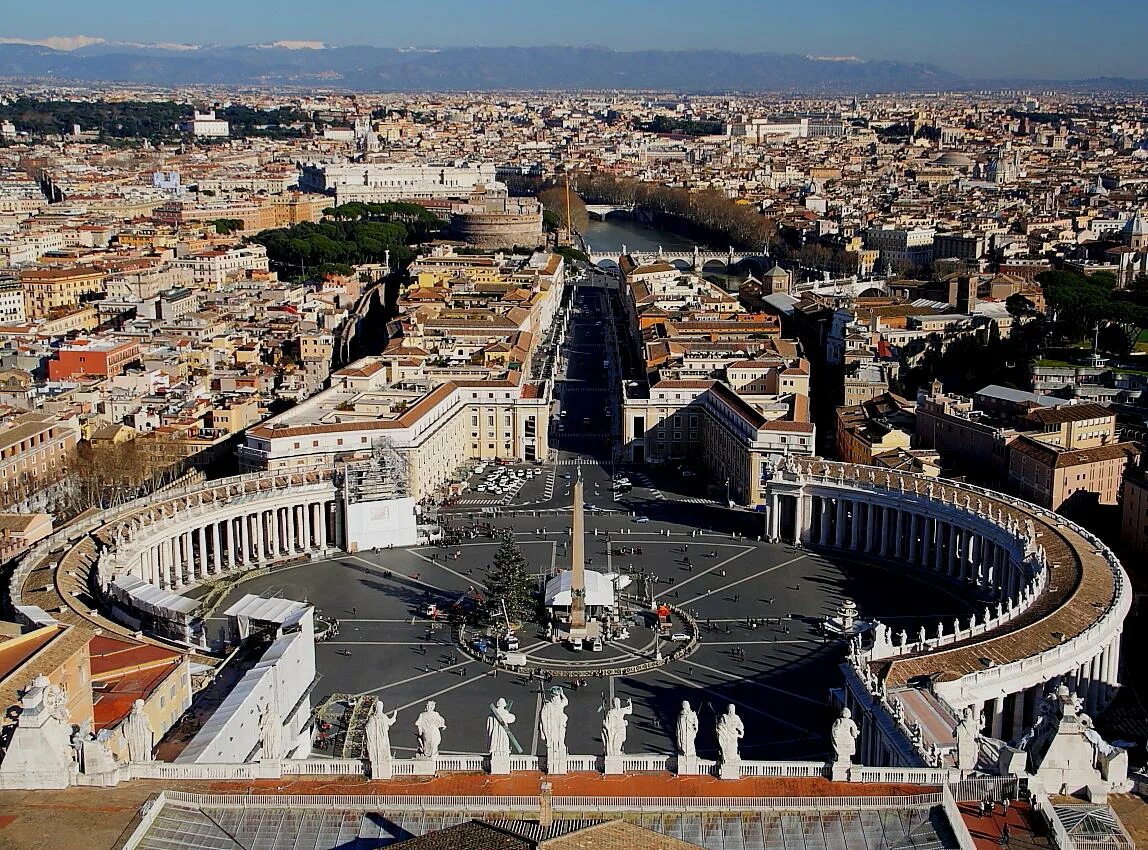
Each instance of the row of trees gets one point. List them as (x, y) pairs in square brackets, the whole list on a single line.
[(686, 126), (719, 217), (106, 474)]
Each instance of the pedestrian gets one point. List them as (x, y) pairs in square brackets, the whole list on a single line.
[(1004, 835)]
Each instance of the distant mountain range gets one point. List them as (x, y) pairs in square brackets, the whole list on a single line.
[(314, 64), (460, 68)]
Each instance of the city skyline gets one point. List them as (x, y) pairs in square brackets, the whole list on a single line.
[(1022, 39)]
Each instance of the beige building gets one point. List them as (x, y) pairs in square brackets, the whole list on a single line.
[(1067, 478), (49, 290), (881, 424), (1134, 513), (34, 449)]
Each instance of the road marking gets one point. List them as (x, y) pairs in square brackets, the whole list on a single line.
[(678, 585), (749, 577), (373, 642), (739, 703), (468, 680), (442, 566), (378, 569), (737, 677)]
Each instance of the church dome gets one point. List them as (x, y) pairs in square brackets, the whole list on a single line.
[(953, 159)]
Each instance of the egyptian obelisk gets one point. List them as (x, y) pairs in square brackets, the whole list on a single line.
[(577, 564)]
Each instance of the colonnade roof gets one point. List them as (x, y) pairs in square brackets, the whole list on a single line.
[(1080, 589)]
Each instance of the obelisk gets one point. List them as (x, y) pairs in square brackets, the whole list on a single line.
[(577, 564)]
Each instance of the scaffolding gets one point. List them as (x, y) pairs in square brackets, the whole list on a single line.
[(384, 476)]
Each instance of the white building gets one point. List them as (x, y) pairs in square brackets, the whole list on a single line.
[(390, 181), (206, 125), (215, 267)]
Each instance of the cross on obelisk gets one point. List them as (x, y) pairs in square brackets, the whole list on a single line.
[(577, 563)]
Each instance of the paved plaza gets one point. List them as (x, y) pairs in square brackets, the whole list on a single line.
[(779, 673)]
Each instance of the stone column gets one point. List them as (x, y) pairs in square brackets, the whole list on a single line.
[(823, 531), (998, 717), (199, 550), (870, 526), (914, 546), (340, 535), (1018, 715), (308, 545), (899, 540), (839, 530), (855, 525), (215, 565), (954, 551), (884, 544), (938, 536), (244, 541)]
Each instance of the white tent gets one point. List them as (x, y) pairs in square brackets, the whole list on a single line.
[(599, 589)]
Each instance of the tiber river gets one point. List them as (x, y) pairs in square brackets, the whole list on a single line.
[(609, 237)]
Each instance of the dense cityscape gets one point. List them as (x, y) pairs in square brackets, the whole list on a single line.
[(540, 468)]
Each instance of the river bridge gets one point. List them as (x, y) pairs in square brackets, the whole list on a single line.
[(684, 259)]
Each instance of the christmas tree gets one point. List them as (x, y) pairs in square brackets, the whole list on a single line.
[(509, 581)]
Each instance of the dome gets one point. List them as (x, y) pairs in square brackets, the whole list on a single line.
[(953, 159)]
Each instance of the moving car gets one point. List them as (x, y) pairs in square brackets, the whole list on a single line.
[(679, 636), (641, 519)]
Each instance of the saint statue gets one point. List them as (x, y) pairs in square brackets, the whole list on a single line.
[(614, 726), (498, 729), (378, 733), (966, 734), (552, 725), (730, 730), (687, 731), (138, 733), (428, 728), (269, 732), (844, 734)]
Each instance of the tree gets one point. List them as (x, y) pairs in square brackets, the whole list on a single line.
[(509, 581), (1018, 305)]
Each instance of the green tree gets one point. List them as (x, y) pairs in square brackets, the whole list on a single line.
[(509, 581)]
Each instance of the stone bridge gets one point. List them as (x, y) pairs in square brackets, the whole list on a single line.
[(601, 212), (684, 259)]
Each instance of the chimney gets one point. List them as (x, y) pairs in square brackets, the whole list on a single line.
[(545, 806)]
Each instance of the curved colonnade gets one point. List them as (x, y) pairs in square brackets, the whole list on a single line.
[(1052, 596), (136, 557)]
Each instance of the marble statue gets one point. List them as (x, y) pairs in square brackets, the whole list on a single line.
[(730, 730), (844, 734), (687, 731), (138, 734), (428, 728), (552, 725), (378, 734), (904, 637), (966, 735), (498, 729), (614, 726), (921, 637), (269, 732)]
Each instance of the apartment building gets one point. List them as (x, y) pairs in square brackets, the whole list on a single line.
[(34, 449), (1059, 478), (99, 357), (876, 426), (215, 268), (49, 290)]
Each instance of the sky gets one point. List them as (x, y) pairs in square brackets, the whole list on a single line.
[(1051, 39)]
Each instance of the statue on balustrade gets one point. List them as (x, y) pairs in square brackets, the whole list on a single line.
[(730, 731), (378, 734), (428, 728), (687, 731), (614, 726), (552, 725), (844, 734), (138, 733), (498, 729), (966, 735)]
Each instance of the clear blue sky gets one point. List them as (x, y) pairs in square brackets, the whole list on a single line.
[(977, 38)]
